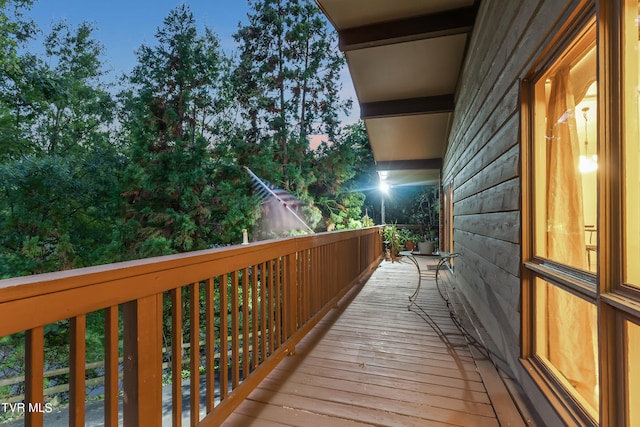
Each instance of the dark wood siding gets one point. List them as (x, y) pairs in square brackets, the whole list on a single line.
[(483, 163)]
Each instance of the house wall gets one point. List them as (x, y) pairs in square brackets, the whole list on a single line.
[(483, 163)]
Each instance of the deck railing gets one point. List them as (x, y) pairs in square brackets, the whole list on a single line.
[(245, 306)]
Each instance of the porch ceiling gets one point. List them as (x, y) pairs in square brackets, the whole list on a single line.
[(405, 58)]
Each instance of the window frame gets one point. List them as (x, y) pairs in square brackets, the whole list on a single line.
[(574, 279), (617, 302), (572, 32), (612, 66)]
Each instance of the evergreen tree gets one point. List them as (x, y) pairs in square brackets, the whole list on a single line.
[(167, 118), (288, 83)]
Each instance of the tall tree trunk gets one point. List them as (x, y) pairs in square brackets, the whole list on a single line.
[(283, 117), (303, 101)]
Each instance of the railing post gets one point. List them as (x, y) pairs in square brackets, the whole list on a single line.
[(77, 361), (143, 362), (111, 366), (34, 382)]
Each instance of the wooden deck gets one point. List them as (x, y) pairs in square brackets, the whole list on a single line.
[(373, 362)]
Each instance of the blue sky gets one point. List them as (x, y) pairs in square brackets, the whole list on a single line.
[(124, 25)]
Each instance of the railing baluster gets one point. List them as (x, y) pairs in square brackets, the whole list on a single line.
[(210, 344), (319, 290), (224, 343), (176, 357), (278, 295), (246, 343), (254, 317), (313, 288), (77, 362), (34, 375), (111, 366), (194, 336), (272, 281), (235, 356), (265, 295), (299, 287), (308, 295)]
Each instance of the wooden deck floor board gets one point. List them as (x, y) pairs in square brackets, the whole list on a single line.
[(400, 355), (339, 385), (394, 402), (410, 384), (374, 362), (390, 343), (405, 373), (404, 353), (369, 361), (367, 415), (255, 413)]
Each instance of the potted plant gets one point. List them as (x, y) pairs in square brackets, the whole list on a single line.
[(428, 244), (391, 240), (410, 243), (406, 239)]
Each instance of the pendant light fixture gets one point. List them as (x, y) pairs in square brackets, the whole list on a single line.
[(588, 163)]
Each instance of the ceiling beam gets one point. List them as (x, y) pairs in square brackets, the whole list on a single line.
[(450, 22), (416, 164), (406, 107)]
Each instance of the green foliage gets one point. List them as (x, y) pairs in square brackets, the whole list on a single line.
[(14, 31), (77, 106), (413, 205), (178, 150), (234, 206), (343, 172), (56, 213), (287, 83), (392, 240), (166, 119)]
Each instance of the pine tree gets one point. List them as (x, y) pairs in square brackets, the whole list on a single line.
[(167, 119), (288, 83)]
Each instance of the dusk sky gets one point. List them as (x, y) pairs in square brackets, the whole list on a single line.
[(124, 25)]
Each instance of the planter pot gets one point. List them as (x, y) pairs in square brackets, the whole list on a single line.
[(426, 247), (409, 245)]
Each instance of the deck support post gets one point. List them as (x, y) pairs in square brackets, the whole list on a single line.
[(143, 362)]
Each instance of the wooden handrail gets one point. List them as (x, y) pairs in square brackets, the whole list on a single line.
[(290, 283)]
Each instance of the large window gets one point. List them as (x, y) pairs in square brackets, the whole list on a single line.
[(581, 216), (563, 135), (566, 341), (565, 160)]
